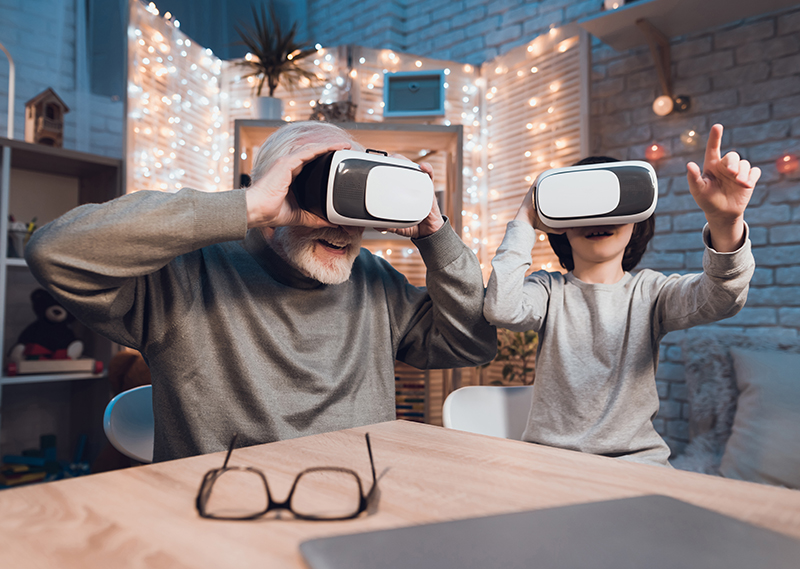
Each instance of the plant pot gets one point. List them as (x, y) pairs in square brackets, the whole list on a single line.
[(270, 108)]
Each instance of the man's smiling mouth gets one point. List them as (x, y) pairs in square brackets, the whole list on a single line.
[(331, 245)]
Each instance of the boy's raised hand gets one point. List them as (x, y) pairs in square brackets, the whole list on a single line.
[(527, 213), (722, 190)]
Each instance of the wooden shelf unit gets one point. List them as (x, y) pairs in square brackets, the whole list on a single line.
[(94, 179)]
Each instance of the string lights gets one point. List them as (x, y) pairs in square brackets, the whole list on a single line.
[(175, 122), (516, 120), (534, 92)]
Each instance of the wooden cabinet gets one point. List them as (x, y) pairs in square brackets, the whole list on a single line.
[(439, 145), (44, 182)]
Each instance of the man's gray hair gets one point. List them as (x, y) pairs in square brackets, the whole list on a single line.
[(290, 137)]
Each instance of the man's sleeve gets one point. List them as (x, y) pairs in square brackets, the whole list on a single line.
[(442, 326), (111, 264), (719, 292)]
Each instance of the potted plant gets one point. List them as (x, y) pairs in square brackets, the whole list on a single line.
[(275, 55), (517, 351)]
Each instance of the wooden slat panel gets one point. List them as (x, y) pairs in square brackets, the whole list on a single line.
[(534, 104), (175, 134)]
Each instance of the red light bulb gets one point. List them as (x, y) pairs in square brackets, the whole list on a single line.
[(654, 152), (787, 163)]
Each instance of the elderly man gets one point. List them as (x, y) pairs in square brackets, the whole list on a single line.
[(257, 317)]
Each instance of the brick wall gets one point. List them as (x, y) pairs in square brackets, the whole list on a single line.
[(745, 76), (468, 31), (41, 37)]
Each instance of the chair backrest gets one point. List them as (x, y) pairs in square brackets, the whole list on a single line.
[(128, 423), (496, 410)]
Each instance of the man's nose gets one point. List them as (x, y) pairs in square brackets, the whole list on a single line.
[(351, 229)]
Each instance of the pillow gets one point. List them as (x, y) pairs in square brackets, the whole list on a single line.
[(765, 440)]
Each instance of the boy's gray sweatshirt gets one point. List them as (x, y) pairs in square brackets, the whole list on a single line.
[(595, 388), (237, 340)]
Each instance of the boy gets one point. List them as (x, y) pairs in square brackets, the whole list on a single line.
[(600, 326)]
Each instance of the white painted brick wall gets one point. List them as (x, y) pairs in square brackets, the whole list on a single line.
[(41, 36)]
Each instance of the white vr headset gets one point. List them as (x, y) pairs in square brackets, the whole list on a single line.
[(347, 187), (611, 193)]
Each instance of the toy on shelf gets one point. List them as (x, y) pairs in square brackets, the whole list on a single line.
[(42, 464), (49, 345), (18, 235)]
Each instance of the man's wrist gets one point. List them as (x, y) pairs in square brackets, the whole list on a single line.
[(427, 228), (255, 211)]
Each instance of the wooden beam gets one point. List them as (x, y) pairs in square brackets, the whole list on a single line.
[(660, 50)]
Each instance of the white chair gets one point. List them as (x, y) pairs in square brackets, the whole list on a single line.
[(128, 423), (495, 410)]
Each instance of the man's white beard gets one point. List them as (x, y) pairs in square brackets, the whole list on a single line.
[(296, 245)]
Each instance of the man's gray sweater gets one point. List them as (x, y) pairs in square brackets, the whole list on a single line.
[(595, 388), (239, 341)]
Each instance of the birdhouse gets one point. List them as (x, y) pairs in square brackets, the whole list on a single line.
[(44, 119)]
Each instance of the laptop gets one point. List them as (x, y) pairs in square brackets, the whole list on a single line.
[(653, 532)]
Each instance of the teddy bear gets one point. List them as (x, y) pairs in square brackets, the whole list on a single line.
[(50, 337)]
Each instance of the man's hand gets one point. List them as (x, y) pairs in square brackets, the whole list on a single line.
[(430, 224), (269, 203), (527, 213), (722, 190)]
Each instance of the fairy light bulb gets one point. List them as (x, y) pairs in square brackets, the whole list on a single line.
[(787, 164), (689, 137), (654, 152), (663, 105)]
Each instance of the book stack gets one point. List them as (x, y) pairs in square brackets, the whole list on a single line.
[(410, 392)]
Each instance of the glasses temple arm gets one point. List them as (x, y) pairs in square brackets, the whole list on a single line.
[(230, 450), (372, 466)]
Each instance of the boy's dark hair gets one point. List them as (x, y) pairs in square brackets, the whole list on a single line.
[(641, 236)]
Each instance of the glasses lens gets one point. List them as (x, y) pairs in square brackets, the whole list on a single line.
[(237, 494), (326, 494)]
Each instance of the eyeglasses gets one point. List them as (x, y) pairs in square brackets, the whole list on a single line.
[(324, 493)]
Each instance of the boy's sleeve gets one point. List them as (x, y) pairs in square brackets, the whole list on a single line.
[(719, 292), (513, 301)]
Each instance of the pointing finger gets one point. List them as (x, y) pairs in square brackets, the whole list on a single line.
[(713, 146)]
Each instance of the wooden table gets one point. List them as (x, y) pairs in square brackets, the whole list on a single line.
[(145, 516)]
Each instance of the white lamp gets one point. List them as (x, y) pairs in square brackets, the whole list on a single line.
[(663, 105)]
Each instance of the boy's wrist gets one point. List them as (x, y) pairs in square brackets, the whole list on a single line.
[(726, 235)]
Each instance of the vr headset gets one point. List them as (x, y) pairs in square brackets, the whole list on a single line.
[(347, 187), (612, 193)]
